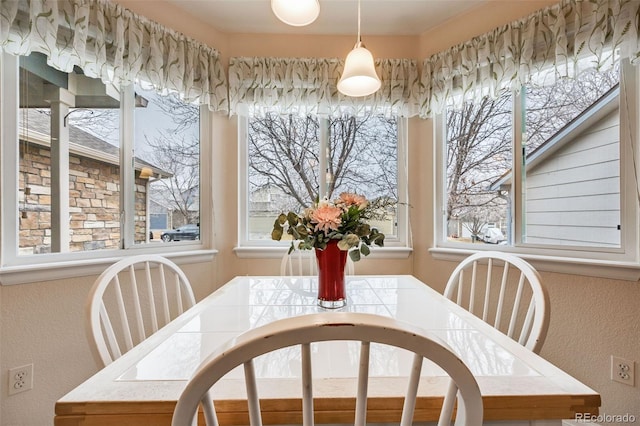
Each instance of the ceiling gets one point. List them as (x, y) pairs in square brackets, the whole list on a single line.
[(337, 17)]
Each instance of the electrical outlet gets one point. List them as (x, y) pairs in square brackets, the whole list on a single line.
[(20, 379), (623, 370)]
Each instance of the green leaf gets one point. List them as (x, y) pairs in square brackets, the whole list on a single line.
[(305, 245), (293, 219), (377, 238), (295, 234), (276, 234), (354, 255), (302, 231), (365, 250), (343, 245), (363, 230)]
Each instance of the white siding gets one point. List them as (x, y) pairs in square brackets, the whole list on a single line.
[(573, 197)]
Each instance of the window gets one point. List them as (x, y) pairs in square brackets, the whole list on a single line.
[(571, 156), (290, 161), (167, 144), (97, 168), (542, 171)]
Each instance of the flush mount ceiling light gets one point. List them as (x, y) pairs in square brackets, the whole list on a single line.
[(296, 12), (359, 76)]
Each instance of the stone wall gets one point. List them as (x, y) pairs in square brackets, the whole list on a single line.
[(94, 203)]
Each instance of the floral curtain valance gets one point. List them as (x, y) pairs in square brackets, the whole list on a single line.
[(110, 42), (554, 40), (308, 86)]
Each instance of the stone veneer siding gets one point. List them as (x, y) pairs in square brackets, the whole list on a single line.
[(94, 203)]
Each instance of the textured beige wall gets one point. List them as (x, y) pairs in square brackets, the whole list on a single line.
[(477, 21), (42, 323)]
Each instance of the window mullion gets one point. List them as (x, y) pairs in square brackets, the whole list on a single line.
[(517, 199), (323, 181), (402, 218), (9, 154), (243, 177), (206, 176), (629, 175), (127, 172), (440, 178)]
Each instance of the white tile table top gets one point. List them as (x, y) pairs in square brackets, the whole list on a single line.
[(258, 301), (158, 368)]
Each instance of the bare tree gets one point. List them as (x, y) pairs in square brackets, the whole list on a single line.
[(176, 150), (284, 151), (549, 108), (478, 151), (180, 157), (474, 225), (183, 115)]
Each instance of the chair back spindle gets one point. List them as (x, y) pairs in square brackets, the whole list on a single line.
[(131, 300), (310, 329), (520, 309)]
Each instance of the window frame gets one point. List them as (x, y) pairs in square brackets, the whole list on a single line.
[(619, 263), (395, 247), (15, 269)]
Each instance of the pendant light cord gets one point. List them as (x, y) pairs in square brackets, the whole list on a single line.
[(359, 39)]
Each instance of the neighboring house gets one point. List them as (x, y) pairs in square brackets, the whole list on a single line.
[(165, 213), (268, 200), (573, 183), (191, 198), (159, 215), (94, 190)]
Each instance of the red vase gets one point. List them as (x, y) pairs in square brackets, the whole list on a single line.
[(331, 263)]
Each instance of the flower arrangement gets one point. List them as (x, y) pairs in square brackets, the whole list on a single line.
[(342, 219)]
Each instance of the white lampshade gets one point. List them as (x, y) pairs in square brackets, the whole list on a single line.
[(359, 77), (296, 12)]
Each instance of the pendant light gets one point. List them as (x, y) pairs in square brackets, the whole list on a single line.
[(359, 76), (296, 12)]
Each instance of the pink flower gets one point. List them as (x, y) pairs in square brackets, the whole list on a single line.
[(351, 199), (327, 218)]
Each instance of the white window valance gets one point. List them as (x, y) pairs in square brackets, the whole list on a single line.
[(556, 38), (112, 43), (308, 86)]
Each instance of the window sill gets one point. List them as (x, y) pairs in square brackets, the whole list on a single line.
[(24, 274), (278, 252), (626, 271)]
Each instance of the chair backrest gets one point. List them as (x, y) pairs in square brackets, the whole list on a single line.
[(303, 262), (506, 292), (131, 300), (334, 326)]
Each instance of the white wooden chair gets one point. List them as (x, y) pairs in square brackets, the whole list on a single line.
[(303, 262), (332, 326), (131, 300), (506, 292)]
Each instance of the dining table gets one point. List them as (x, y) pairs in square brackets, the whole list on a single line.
[(141, 387)]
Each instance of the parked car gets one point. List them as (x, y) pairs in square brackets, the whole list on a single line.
[(185, 232), (493, 236)]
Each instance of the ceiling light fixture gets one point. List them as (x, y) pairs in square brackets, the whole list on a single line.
[(296, 12), (359, 77)]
